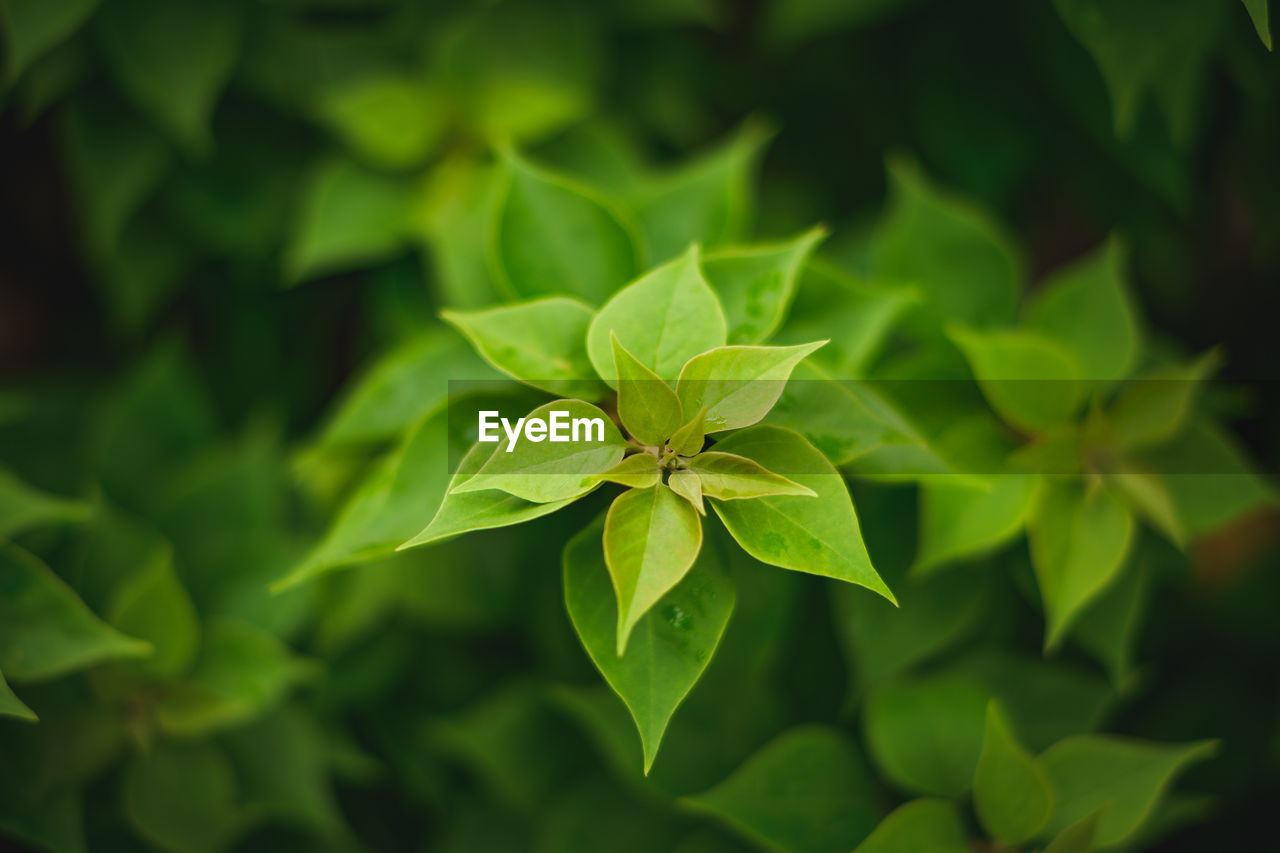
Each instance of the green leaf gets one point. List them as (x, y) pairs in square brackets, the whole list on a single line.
[(33, 27), (172, 60), (453, 214), (350, 218), (462, 512), (1030, 380), (671, 645), (544, 471), (708, 201), (1011, 792), (1156, 406), (963, 264), (688, 485), (11, 705), (241, 671), (919, 825), (647, 406), (401, 387), (926, 734), (664, 318), (554, 236), (690, 438), (651, 539), (1086, 309), (959, 520), (1079, 836), (738, 385), (1079, 540), (1127, 776), (45, 629), (22, 507), (808, 791), (389, 119), (637, 471), (756, 283), (541, 343), (1108, 628), (152, 605), (1261, 17), (728, 477), (815, 535), (182, 796), (1148, 497)]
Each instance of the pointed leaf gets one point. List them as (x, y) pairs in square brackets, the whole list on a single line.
[(11, 705), (182, 796), (663, 318), (756, 283), (173, 59), (708, 201), (1148, 496), (690, 438), (815, 535), (1031, 381), (22, 507), (647, 406), (1087, 310), (651, 538), (1127, 776), (919, 825), (1078, 543), (152, 605), (727, 477), (1156, 406), (637, 471), (33, 27), (388, 119), (554, 236), (544, 471), (542, 343), (688, 485), (1109, 627), (671, 645), (1261, 17), (1011, 792), (738, 385), (45, 629), (961, 520)]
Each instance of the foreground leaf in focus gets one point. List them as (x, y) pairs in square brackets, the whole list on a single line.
[(670, 645), (647, 406), (818, 535), (45, 629), (738, 385), (808, 791), (727, 477), (651, 539)]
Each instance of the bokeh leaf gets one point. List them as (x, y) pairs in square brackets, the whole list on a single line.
[(1011, 792), (182, 796), (153, 606), (22, 507), (1030, 380), (11, 705), (923, 824), (756, 283), (392, 120), (33, 27)]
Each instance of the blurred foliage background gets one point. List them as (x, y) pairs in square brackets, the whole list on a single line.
[(215, 215)]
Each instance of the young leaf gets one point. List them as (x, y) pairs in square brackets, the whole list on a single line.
[(815, 535), (664, 318), (926, 734), (687, 484), (637, 471), (1086, 309), (728, 477), (651, 538), (462, 512), (738, 385), (1078, 543), (671, 645), (707, 201), (919, 825), (808, 791), (1011, 792), (11, 705), (545, 471), (1261, 17), (959, 520), (1127, 776), (1031, 381), (22, 507), (1148, 496), (647, 406), (553, 236), (152, 605), (964, 265), (182, 796), (756, 283), (45, 629), (33, 28), (173, 60), (689, 439), (541, 343)]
